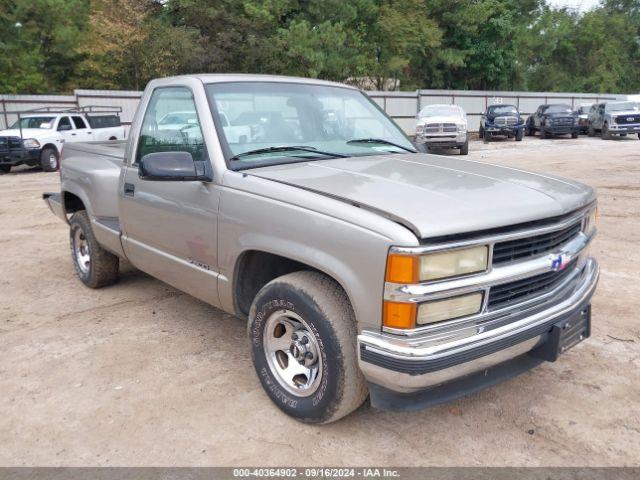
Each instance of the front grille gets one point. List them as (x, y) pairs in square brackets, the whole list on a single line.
[(563, 121), (440, 127), (517, 291), (510, 121), (532, 246), (627, 119)]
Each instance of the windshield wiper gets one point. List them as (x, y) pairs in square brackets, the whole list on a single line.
[(380, 141), (290, 148)]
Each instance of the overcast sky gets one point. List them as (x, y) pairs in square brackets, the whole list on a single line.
[(581, 5)]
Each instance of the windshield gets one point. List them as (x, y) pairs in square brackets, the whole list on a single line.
[(558, 109), (619, 107), (440, 110), (503, 110), (34, 122), (267, 116)]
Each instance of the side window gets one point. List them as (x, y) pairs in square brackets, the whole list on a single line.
[(171, 124), (79, 122), (64, 124)]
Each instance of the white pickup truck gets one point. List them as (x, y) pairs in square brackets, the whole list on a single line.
[(44, 133)]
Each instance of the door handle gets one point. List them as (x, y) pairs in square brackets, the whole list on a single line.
[(73, 134), (89, 133), (129, 189)]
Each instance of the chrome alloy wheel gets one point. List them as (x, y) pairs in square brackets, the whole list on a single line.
[(81, 251), (292, 353)]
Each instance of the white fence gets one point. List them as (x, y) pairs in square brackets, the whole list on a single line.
[(401, 106)]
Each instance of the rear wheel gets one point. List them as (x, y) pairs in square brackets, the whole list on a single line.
[(5, 168), (303, 344), (94, 265), (464, 149), (49, 159)]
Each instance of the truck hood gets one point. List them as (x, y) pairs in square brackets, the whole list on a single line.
[(435, 195), (622, 113), (442, 119), (26, 132)]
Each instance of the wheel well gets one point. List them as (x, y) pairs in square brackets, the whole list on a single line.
[(254, 270), (72, 203), (112, 138), (50, 145)]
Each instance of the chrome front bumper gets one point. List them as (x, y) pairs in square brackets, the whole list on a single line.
[(408, 364)]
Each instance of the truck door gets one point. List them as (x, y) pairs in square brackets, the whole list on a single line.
[(67, 131), (170, 227), (83, 131)]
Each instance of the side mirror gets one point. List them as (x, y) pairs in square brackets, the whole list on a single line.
[(62, 128), (172, 166)]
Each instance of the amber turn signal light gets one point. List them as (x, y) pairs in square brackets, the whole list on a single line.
[(402, 268), (399, 315)]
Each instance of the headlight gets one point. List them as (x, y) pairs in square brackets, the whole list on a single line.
[(462, 127), (590, 221), (403, 268), (449, 308), (31, 143), (614, 119)]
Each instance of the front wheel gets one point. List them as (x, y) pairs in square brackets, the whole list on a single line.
[(543, 133), (49, 159), (605, 132), (464, 149), (591, 132), (303, 344), (574, 135), (94, 265), (519, 135)]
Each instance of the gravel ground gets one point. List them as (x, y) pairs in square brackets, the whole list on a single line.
[(141, 374)]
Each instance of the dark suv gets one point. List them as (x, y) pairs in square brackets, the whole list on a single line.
[(501, 120), (552, 120)]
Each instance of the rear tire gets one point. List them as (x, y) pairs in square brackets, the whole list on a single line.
[(464, 149), (5, 168), (302, 332), (49, 159), (94, 265)]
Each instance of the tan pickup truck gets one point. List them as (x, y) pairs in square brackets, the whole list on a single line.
[(361, 266)]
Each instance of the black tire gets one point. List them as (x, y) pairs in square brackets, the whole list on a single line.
[(5, 168), (638, 136), (464, 149), (575, 134), (49, 159), (330, 322), (486, 137), (543, 134), (605, 132), (528, 129), (623, 134), (519, 135), (102, 269), (481, 132), (591, 132)]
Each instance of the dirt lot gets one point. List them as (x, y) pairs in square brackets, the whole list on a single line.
[(141, 374)]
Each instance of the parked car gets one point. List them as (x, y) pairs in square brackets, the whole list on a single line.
[(443, 126), (44, 134), (552, 120), (583, 117), (361, 266), (614, 118), (13, 152), (502, 120)]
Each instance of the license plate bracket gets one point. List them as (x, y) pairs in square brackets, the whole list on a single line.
[(564, 335)]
